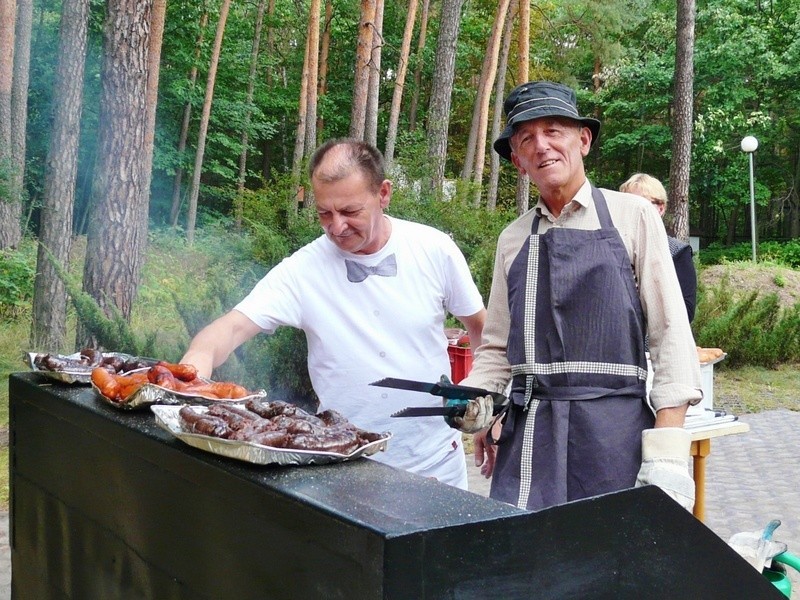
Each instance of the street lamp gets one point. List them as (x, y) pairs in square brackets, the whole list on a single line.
[(749, 145)]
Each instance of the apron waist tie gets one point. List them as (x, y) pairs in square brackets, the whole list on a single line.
[(557, 393)]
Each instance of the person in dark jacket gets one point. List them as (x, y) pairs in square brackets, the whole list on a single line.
[(650, 188)]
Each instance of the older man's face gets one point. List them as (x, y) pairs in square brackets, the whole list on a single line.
[(551, 151)]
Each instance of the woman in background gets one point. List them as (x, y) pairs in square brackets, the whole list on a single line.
[(651, 189)]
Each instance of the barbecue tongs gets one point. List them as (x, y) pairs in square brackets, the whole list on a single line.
[(457, 396)]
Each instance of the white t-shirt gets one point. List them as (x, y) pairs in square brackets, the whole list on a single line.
[(381, 327)]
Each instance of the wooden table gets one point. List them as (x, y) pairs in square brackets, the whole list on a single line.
[(701, 448)]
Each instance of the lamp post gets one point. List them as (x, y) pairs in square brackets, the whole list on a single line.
[(749, 145)]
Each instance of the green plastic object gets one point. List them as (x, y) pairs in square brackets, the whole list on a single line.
[(779, 580), (778, 577)]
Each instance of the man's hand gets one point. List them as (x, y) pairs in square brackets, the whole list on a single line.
[(484, 452), (478, 415), (665, 463)]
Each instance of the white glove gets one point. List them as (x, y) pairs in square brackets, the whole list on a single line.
[(478, 415), (756, 550), (665, 463)]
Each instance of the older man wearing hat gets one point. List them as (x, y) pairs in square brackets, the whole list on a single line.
[(579, 281)]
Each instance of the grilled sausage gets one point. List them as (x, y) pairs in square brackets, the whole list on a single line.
[(195, 422), (182, 371), (106, 383)]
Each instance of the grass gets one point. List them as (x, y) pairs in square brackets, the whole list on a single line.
[(13, 338), (755, 389)]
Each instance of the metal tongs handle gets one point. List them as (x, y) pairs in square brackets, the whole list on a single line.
[(452, 391)]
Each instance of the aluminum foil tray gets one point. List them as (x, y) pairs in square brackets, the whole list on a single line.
[(167, 417), (150, 394), (81, 375)]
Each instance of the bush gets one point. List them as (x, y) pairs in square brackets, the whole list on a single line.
[(781, 253), (752, 330), (474, 230), (17, 274)]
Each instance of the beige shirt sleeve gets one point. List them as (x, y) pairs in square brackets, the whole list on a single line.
[(672, 348)]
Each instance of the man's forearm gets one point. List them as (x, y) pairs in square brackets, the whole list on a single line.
[(474, 324), (203, 353), (214, 343), (671, 417)]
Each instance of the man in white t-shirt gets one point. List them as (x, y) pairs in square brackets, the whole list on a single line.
[(371, 295)]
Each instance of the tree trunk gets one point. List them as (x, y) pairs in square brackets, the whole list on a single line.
[(733, 220), (794, 199), (325, 45), (238, 207), (523, 73), (373, 94), (10, 206), (118, 226), (313, 81), (19, 96), (488, 70), (302, 110), (157, 16), (499, 96), (361, 83), (204, 119), (49, 323), (266, 157), (469, 157), (492, 52), (678, 207), (598, 67), (187, 116), (313, 78), (423, 31), (399, 82), (441, 90)]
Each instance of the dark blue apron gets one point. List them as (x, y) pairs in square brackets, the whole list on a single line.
[(577, 354)]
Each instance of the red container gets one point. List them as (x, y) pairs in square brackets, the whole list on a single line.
[(460, 362)]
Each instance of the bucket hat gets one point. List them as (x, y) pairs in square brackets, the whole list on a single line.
[(537, 99)]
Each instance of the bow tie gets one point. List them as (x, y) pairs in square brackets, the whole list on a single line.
[(356, 272)]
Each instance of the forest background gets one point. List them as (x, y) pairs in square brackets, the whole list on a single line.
[(142, 137)]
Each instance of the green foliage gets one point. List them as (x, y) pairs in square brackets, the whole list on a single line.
[(619, 54), (230, 268), (717, 253), (412, 155), (17, 273), (752, 330), (276, 226), (200, 282), (784, 253), (779, 253), (475, 231), (110, 332), (282, 359)]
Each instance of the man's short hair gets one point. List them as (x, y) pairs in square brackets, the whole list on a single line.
[(346, 156), (646, 186)]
